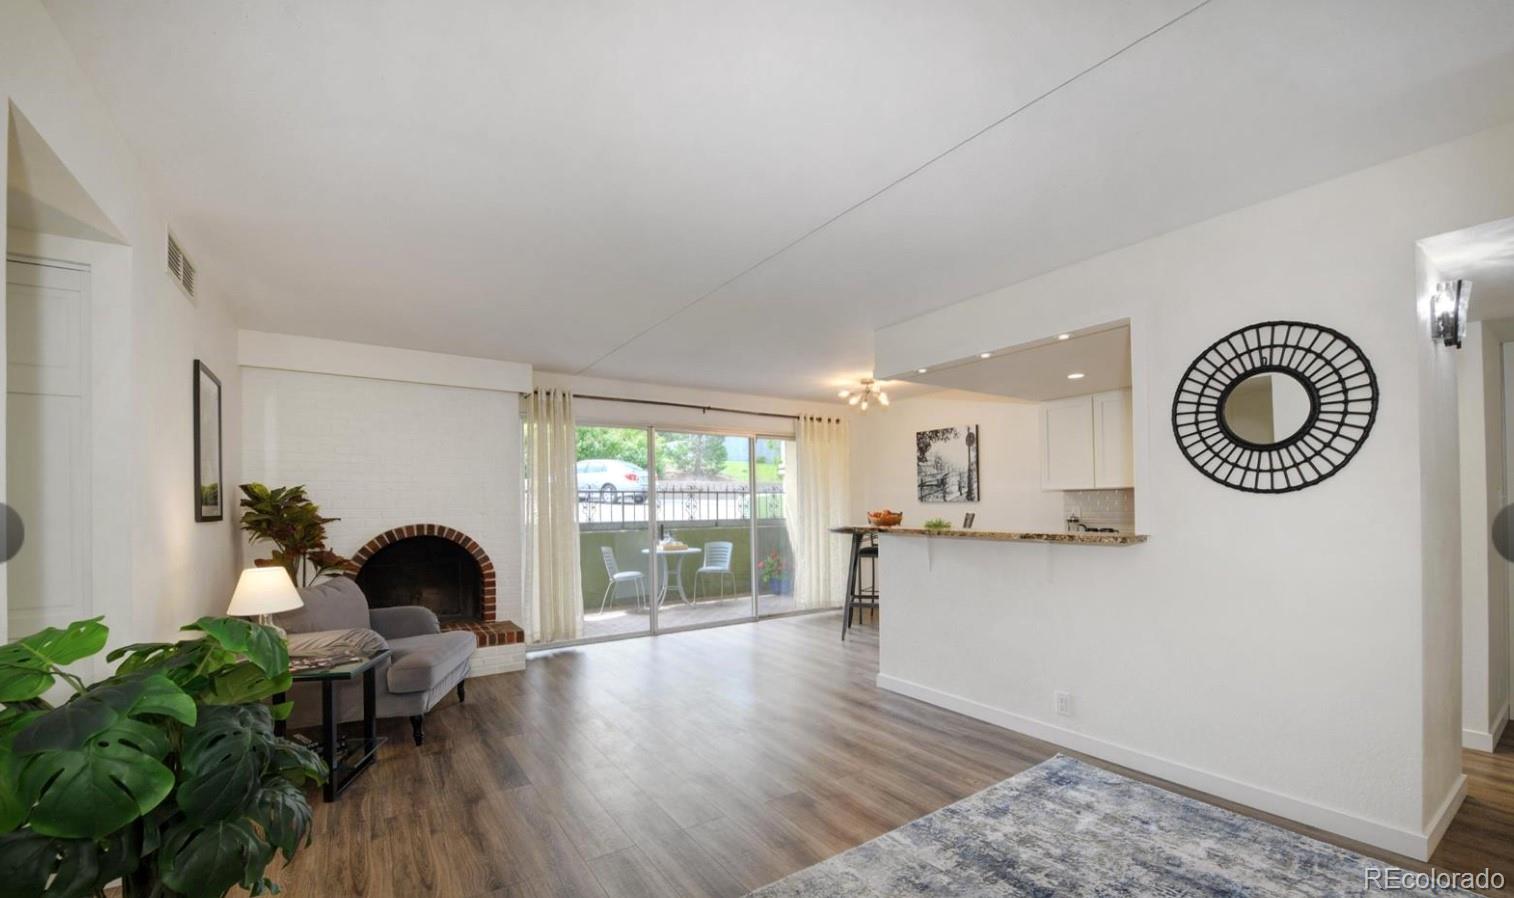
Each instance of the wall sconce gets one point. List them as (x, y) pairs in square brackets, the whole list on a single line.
[(1448, 312)]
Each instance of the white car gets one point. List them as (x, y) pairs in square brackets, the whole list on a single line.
[(611, 480)]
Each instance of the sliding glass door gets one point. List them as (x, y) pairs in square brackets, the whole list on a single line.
[(681, 529), (614, 531), (775, 554), (703, 515)]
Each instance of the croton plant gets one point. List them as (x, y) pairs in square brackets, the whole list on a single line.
[(166, 776)]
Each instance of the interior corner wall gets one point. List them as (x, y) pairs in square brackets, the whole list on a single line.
[(1439, 556), (1308, 666), (1485, 580), (173, 569)]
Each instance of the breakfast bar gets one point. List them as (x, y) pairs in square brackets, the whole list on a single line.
[(859, 532)]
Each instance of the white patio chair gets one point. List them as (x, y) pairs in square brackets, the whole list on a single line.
[(618, 577), (717, 560)]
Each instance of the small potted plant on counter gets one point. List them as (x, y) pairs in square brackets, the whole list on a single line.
[(937, 525)]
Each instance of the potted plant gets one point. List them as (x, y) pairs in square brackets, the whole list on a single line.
[(772, 571), (166, 776), (286, 517)]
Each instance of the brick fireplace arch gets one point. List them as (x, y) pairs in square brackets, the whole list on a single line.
[(388, 537)]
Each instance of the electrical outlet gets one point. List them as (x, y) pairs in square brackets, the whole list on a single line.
[(1064, 703)]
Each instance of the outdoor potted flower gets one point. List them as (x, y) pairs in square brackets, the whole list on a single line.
[(773, 575), (166, 776)]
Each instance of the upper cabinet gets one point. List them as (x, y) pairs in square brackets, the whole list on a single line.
[(1085, 442)]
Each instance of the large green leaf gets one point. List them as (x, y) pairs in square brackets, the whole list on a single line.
[(12, 806), (261, 645), (222, 760), (243, 684), (33, 866), (283, 812), (89, 792), (298, 764), (25, 666), (205, 860)]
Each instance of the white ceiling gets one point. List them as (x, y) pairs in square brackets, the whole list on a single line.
[(1484, 255), (736, 195), (1038, 372)]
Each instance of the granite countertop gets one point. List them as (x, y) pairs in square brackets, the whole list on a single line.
[(1079, 538)]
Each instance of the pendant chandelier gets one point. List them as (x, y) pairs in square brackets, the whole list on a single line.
[(869, 392)]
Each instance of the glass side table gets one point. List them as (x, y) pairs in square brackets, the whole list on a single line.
[(345, 763)]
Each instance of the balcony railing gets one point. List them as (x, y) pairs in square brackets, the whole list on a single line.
[(680, 506)]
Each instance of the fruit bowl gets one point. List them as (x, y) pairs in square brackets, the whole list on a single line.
[(885, 518)]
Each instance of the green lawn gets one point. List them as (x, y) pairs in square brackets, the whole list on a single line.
[(767, 471)]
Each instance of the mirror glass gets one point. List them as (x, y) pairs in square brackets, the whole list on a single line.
[(1267, 408)]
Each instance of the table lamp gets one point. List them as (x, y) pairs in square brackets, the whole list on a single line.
[(264, 592)]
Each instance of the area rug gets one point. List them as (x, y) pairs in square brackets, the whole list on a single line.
[(1065, 829)]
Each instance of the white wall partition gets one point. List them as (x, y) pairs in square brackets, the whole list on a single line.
[(1301, 648)]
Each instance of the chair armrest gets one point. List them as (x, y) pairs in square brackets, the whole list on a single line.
[(402, 621), (320, 642)]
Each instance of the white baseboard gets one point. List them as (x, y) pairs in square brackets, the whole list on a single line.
[(1372, 832), (1444, 814), (1477, 740), (497, 659)]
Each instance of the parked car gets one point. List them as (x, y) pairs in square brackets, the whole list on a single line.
[(611, 480)]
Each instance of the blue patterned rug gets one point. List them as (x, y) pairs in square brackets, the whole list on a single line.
[(1065, 829)]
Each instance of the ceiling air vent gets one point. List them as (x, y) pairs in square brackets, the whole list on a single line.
[(180, 267)]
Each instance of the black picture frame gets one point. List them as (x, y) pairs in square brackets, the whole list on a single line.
[(210, 487)]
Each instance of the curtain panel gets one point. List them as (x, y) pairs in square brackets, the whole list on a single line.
[(552, 586), (820, 500)]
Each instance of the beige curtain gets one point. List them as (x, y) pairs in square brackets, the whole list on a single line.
[(552, 582), (820, 500)]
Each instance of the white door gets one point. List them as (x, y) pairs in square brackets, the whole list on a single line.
[(46, 467)]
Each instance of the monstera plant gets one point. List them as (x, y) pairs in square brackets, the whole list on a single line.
[(285, 516), (166, 776)]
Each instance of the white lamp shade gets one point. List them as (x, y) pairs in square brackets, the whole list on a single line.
[(264, 590)]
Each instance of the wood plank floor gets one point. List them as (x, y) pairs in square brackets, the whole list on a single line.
[(695, 764)]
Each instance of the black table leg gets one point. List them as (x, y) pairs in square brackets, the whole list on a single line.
[(851, 583), (328, 726), (370, 710)]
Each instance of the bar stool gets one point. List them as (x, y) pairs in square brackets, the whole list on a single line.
[(861, 597)]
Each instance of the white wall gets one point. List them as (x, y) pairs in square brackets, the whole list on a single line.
[(162, 569), (1328, 675), (383, 453), (1485, 581), (1009, 460)]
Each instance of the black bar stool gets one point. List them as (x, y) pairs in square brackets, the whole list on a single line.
[(859, 598)]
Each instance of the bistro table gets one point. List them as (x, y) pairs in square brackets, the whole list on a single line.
[(675, 581), (353, 761)]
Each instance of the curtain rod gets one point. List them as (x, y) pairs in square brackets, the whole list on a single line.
[(698, 408)]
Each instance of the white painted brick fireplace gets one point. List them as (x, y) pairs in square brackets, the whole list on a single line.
[(382, 454)]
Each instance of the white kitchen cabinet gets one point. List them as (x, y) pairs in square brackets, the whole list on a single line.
[(1112, 464), (1085, 442)]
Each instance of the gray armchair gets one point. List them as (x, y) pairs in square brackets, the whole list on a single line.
[(424, 665)]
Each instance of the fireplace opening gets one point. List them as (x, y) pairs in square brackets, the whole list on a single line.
[(430, 571)]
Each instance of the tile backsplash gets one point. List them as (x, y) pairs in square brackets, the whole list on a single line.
[(1101, 508)]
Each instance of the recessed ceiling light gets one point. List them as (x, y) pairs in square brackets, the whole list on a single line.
[(1064, 336), (844, 393), (1076, 375), (919, 370), (984, 355)]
